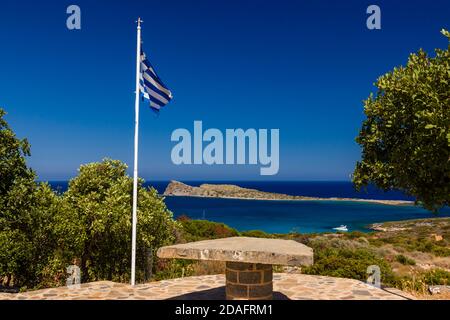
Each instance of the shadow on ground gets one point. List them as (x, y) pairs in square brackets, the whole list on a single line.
[(217, 294)]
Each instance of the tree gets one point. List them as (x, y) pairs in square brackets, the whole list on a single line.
[(13, 168), (15, 181), (26, 214), (42, 232), (100, 198), (405, 138)]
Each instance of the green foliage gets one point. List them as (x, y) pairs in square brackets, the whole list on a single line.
[(405, 139), (41, 232), (18, 199), (174, 268), (195, 230), (29, 214), (437, 277), (355, 235), (89, 225), (348, 263), (256, 234), (411, 243), (100, 199), (420, 281), (405, 260), (426, 245), (13, 168)]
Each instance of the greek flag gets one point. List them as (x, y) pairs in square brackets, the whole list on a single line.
[(152, 87)]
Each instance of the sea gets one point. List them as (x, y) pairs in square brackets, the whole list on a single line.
[(283, 216)]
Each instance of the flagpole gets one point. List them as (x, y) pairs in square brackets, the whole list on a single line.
[(136, 141)]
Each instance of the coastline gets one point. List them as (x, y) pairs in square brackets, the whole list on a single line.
[(375, 201), (217, 191)]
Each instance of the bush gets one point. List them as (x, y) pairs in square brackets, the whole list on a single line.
[(355, 235), (173, 268), (426, 245), (100, 200), (411, 243), (41, 233), (348, 263), (322, 242), (437, 277), (420, 281), (256, 234), (405, 260), (27, 215), (195, 230)]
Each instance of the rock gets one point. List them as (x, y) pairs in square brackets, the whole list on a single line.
[(176, 188), (292, 269), (439, 289)]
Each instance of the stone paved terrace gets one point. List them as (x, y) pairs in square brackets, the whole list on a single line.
[(212, 287)]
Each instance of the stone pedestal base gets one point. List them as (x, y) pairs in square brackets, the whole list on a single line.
[(249, 281)]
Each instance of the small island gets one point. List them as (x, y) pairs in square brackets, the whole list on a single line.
[(228, 191)]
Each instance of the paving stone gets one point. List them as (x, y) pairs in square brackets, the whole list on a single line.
[(202, 287), (293, 286)]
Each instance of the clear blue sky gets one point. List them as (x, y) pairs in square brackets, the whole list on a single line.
[(301, 66)]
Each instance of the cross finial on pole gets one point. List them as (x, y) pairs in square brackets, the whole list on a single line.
[(139, 21)]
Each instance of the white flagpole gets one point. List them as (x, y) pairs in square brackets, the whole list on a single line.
[(136, 140)]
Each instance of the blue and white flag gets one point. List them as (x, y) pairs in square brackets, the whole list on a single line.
[(152, 87)]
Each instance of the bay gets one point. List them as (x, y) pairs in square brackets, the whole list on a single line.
[(293, 216)]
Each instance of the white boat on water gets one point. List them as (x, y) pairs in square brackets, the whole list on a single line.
[(341, 228)]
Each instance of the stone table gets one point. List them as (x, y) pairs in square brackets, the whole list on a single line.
[(249, 261)]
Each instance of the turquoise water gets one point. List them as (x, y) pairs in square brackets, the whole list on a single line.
[(299, 216), (287, 216)]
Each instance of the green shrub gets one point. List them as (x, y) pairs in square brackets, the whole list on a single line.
[(437, 277), (195, 230), (28, 213), (348, 263), (355, 235), (441, 251), (426, 245), (42, 233), (412, 243), (405, 260), (173, 268), (420, 281), (322, 242), (256, 234), (100, 199)]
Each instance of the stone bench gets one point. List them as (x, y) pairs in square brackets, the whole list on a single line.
[(249, 261)]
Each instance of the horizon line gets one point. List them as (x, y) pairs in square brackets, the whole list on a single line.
[(212, 180)]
